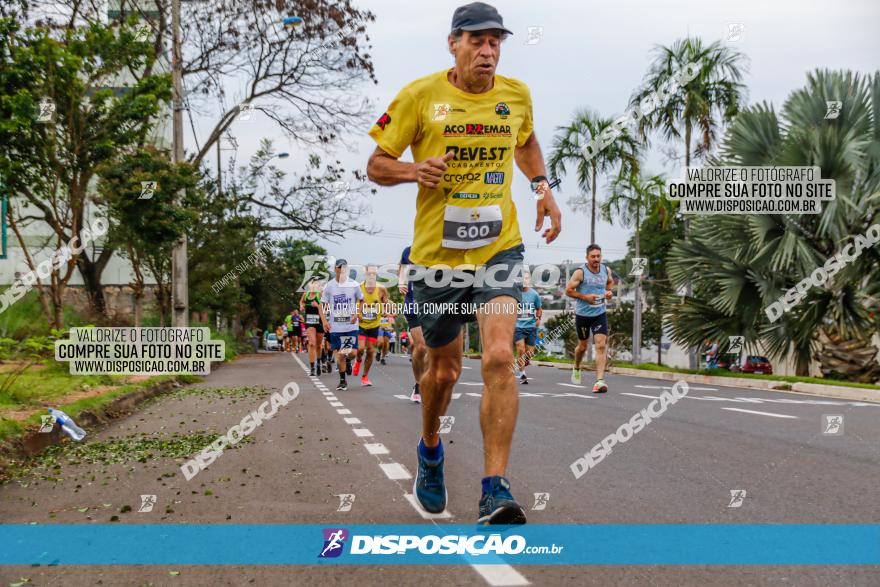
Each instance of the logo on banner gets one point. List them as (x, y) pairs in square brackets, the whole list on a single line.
[(334, 542)]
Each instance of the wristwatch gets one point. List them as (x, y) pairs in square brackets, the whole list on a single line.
[(536, 182)]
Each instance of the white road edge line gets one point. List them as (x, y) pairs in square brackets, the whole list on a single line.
[(761, 413)]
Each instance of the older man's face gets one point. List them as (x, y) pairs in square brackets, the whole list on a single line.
[(477, 54)]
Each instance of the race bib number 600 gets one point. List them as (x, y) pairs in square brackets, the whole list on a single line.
[(470, 228)]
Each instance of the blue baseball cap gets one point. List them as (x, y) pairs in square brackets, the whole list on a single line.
[(477, 16)]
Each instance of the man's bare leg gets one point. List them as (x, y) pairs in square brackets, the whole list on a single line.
[(599, 341), (579, 351), (418, 351), (368, 361), (443, 370), (520, 353), (500, 404)]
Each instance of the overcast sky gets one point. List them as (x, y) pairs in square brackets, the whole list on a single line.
[(592, 54)]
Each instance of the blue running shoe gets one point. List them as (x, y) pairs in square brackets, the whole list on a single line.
[(429, 487), (498, 506)]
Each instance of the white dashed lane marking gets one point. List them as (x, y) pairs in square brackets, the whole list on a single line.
[(497, 575), (641, 395), (361, 432), (376, 448), (426, 515), (761, 413), (395, 471)]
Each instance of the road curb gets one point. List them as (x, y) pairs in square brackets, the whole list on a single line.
[(836, 391)]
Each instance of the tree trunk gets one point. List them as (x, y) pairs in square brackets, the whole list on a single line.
[(693, 361), (57, 292), (848, 359), (637, 307), (138, 309), (43, 297), (593, 210), (660, 335), (91, 275)]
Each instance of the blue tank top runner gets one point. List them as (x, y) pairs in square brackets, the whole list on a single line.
[(593, 283)]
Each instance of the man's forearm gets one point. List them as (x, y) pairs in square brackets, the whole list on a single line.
[(529, 158), (388, 171)]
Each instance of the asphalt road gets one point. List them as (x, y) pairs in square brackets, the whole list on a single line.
[(679, 469)]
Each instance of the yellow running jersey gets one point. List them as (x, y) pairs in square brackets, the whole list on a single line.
[(370, 307), (471, 216)]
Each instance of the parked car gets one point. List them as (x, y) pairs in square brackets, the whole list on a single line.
[(272, 343), (754, 364)]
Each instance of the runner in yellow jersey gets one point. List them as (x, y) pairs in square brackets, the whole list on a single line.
[(466, 126), (386, 330), (370, 311)]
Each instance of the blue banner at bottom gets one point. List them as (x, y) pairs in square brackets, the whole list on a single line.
[(360, 544)]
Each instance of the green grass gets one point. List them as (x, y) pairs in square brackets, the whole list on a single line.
[(60, 383), (552, 358), (25, 318), (48, 382)]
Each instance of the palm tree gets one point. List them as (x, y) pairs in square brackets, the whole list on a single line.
[(740, 264), (567, 148), (709, 100), (632, 198)]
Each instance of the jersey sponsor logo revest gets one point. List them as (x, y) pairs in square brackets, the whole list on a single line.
[(477, 153), (494, 177), (383, 121), (477, 129)]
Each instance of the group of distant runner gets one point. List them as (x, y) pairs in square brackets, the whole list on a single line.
[(346, 323)]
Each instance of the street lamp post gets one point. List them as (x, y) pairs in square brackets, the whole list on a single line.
[(179, 269)]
